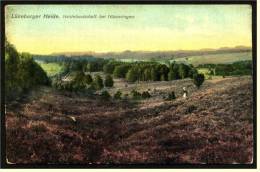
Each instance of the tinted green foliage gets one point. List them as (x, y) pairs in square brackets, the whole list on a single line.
[(105, 95), (109, 81), (81, 82), (21, 73), (88, 79), (109, 67), (198, 79), (132, 75), (121, 70), (118, 95), (183, 70), (98, 82), (236, 68)]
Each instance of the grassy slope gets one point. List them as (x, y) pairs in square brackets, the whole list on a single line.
[(214, 125)]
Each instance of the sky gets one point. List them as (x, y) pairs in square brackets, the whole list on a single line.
[(151, 28)]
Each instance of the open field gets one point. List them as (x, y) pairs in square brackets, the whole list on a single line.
[(213, 125), (223, 58), (51, 68)]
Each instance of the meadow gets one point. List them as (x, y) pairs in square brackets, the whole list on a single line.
[(223, 58)]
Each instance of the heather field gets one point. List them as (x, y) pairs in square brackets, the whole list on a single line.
[(214, 124)]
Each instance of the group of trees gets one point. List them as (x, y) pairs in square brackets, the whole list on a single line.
[(149, 71), (85, 65), (234, 69), (83, 81), (21, 73)]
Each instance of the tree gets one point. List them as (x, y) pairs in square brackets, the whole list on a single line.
[(88, 79), (109, 81), (163, 71), (147, 74), (198, 79), (183, 71), (98, 82), (108, 68), (21, 73), (154, 76), (174, 72), (91, 67), (120, 71), (132, 75), (192, 72)]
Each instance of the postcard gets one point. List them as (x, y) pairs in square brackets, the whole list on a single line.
[(129, 85)]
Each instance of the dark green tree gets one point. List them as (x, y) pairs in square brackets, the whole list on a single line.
[(183, 71), (132, 75), (118, 95), (88, 79), (98, 82), (108, 68), (198, 79), (120, 71), (109, 81)]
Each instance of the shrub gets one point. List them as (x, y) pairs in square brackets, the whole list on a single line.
[(88, 79), (135, 94), (105, 95), (98, 82), (146, 94), (118, 95), (109, 81), (171, 96), (198, 79)]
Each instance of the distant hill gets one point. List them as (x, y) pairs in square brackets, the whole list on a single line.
[(146, 55)]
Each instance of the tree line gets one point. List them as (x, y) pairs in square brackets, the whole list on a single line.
[(149, 71), (234, 69)]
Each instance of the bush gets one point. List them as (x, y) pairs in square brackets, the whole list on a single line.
[(171, 96), (109, 81), (198, 79), (98, 82), (88, 79), (135, 94), (146, 94), (105, 95), (118, 95)]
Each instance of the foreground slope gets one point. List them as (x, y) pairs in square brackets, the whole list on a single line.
[(213, 125)]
